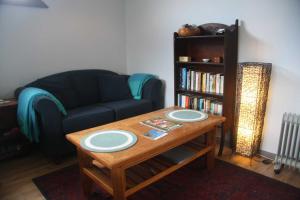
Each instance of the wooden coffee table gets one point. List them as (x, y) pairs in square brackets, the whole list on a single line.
[(125, 172)]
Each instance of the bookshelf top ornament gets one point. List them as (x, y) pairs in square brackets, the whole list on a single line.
[(187, 115)]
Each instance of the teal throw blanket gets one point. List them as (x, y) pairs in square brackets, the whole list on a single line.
[(26, 113), (136, 83)]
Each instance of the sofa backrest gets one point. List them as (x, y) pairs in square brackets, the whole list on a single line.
[(74, 88)]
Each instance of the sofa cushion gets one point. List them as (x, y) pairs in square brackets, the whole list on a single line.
[(114, 88), (85, 84), (60, 87), (87, 117), (129, 107)]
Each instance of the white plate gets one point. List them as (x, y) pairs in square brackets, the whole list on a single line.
[(108, 141), (187, 115)]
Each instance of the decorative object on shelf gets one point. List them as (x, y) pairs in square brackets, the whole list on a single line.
[(220, 31), (189, 30), (217, 59), (252, 91), (185, 59), (213, 28), (206, 60)]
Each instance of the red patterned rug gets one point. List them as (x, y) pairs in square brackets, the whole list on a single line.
[(224, 182)]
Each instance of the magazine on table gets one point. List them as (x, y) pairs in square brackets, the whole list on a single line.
[(155, 134), (161, 124)]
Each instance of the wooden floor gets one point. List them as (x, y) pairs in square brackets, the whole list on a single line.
[(16, 174)]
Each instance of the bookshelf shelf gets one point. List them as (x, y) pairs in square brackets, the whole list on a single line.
[(200, 63), (198, 48), (201, 37), (204, 94)]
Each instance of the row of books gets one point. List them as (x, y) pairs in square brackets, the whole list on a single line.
[(201, 82), (207, 105)]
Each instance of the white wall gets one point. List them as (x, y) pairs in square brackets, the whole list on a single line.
[(70, 34), (269, 32), (78, 34)]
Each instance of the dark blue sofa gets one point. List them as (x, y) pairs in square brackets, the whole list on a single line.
[(91, 98)]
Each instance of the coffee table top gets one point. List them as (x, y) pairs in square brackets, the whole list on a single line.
[(145, 148)]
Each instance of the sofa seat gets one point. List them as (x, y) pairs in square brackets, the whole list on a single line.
[(129, 107), (87, 117)]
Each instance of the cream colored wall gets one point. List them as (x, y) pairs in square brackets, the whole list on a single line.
[(269, 32), (70, 34), (112, 34)]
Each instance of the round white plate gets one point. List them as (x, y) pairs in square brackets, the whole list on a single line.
[(187, 115), (108, 141)]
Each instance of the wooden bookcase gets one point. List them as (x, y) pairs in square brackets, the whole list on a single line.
[(210, 45)]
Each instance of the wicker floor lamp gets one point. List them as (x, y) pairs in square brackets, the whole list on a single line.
[(251, 98)]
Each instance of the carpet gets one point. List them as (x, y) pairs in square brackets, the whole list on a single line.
[(224, 182)]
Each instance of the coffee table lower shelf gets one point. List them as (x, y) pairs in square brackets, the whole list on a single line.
[(145, 173)]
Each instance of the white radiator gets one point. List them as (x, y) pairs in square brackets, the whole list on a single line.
[(288, 152)]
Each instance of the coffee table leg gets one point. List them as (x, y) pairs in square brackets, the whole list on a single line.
[(119, 183), (86, 182), (210, 156)]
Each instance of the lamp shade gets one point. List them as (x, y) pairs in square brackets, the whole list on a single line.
[(252, 92)]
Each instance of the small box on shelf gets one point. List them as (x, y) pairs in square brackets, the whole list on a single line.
[(217, 59), (185, 59)]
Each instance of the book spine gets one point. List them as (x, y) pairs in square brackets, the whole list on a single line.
[(222, 84), (183, 97), (195, 103), (201, 104), (184, 78), (211, 81), (199, 81), (207, 82), (192, 80), (218, 83), (203, 82), (187, 101), (196, 82), (188, 81), (220, 108)]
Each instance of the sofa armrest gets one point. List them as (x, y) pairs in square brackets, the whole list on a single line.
[(153, 91), (50, 125)]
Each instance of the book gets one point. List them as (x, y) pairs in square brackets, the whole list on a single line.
[(154, 134), (161, 124), (218, 80), (192, 80), (184, 74), (183, 101), (207, 88), (222, 84), (188, 80), (203, 88)]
